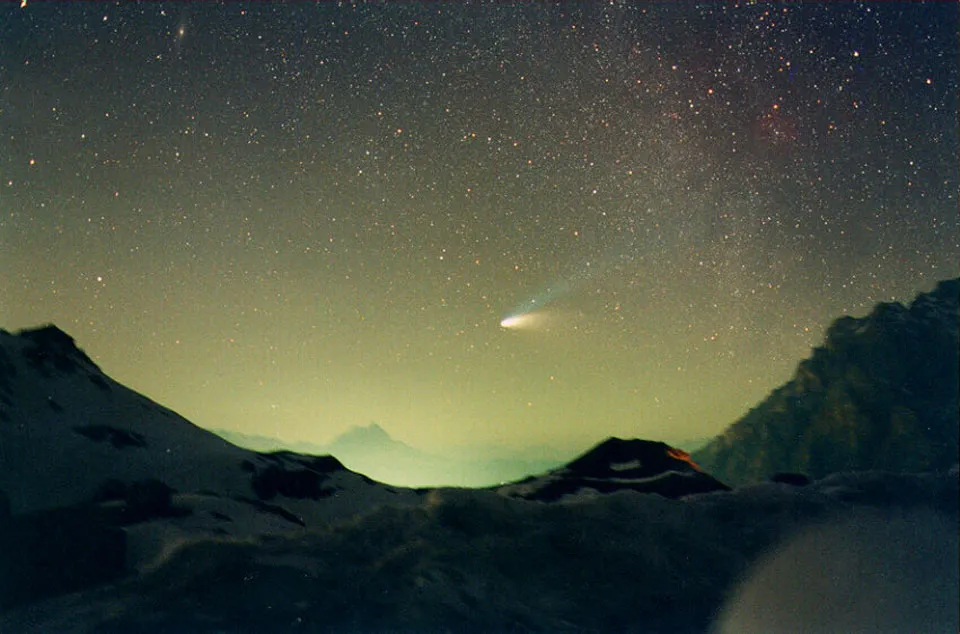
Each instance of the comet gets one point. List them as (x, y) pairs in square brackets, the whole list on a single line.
[(529, 314), (520, 321), (513, 321), (538, 311)]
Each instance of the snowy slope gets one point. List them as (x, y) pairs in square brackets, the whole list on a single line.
[(69, 435), (65, 427)]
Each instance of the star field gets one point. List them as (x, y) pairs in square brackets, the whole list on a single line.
[(288, 219)]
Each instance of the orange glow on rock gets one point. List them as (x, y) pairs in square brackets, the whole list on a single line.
[(680, 454)]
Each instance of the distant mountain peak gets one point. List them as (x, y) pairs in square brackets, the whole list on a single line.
[(372, 434), (374, 429)]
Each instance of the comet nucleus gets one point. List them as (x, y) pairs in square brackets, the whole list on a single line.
[(514, 321)]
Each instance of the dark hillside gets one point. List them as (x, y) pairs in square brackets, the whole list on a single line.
[(881, 393)]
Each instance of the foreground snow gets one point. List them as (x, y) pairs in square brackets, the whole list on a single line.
[(882, 556)]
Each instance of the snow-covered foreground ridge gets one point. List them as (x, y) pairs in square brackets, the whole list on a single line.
[(852, 552)]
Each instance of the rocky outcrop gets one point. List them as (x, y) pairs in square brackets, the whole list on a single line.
[(619, 465)]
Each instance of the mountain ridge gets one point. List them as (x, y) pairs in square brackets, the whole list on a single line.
[(879, 393), (371, 450), (97, 439)]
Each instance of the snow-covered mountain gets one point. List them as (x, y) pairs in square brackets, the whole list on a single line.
[(70, 436), (66, 428), (619, 465)]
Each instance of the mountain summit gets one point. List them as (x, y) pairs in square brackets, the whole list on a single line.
[(616, 464), (880, 393), (373, 437)]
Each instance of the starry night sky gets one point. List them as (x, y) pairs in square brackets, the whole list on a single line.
[(291, 219)]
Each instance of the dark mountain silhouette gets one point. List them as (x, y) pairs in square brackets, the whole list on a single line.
[(644, 466), (880, 393)]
